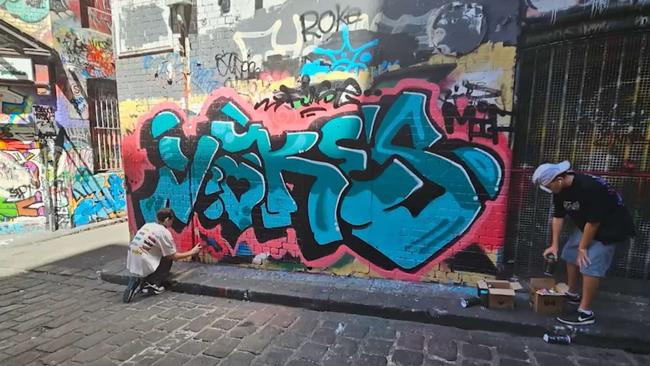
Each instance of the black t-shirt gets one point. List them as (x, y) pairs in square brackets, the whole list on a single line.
[(591, 199)]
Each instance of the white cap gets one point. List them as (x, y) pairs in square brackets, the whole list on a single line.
[(545, 173)]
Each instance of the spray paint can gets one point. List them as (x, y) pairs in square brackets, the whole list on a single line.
[(562, 330), (557, 339), (549, 264), (470, 301)]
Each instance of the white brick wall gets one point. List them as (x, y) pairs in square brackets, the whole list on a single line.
[(141, 26)]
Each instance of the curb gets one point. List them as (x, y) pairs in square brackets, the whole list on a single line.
[(392, 312), (96, 225)]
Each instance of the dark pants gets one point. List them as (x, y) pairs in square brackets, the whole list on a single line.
[(161, 274)]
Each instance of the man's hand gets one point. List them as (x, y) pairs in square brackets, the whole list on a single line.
[(196, 249), (582, 260), (550, 249)]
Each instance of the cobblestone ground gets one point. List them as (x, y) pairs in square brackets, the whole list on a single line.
[(50, 319)]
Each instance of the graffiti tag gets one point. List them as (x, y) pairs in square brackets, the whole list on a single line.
[(229, 64), (347, 58), (44, 120), (313, 95), (96, 197), (316, 24)]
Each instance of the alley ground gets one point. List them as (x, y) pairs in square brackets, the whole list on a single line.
[(70, 317)]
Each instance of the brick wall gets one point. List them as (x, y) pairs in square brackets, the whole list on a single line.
[(351, 138)]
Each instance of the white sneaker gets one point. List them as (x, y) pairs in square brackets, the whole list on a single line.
[(151, 289)]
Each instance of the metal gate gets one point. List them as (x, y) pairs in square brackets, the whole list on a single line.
[(586, 100), (105, 124)]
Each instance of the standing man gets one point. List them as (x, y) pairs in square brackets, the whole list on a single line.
[(151, 253), (603, 222)]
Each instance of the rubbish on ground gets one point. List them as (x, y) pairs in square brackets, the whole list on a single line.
[(339, 329), (260, 258), (470, 301), (557, 339)]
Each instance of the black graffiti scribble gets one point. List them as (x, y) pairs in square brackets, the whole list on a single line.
[(317, 24), (312, 96), (229, 64), (44, 120), (481, 115)]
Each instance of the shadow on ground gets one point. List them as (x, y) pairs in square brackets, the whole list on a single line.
[(86, 264)]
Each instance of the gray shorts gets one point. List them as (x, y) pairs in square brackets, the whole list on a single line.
[(600, 255)]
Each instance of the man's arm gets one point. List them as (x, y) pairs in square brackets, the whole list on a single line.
[(168, 245), (179, 256), (588, 234), (556, 230)]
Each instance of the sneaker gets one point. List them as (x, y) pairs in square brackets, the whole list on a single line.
[(152, 289), (577, 318), (573, 298), (131, 289)]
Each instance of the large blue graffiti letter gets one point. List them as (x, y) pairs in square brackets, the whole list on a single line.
[(437, 222), (184, 193), (240, 208)]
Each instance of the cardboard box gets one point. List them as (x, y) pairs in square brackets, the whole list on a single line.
[(497, 294), (546, 296)]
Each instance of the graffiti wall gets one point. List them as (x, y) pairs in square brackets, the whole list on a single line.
[(82, 36), (91, 57), (365, 138), (31, 17), (79, 196), (96, 197), (21, 191), (46, 147), (86, 52)]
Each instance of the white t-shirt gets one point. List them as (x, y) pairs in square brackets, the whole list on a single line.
[(152, 242)]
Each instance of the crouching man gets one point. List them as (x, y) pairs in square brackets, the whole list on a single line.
[(151, 253)]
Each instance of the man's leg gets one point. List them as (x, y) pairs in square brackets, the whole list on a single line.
[(589, 290), (161, 274), (573, 277), (600, 258), (569, 255)]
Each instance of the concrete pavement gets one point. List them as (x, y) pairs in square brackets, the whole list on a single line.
[(19, 253)]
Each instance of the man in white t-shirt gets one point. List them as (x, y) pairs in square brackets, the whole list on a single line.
[(151, 253)]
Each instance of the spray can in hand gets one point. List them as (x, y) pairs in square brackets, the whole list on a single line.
[(549, 264)]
